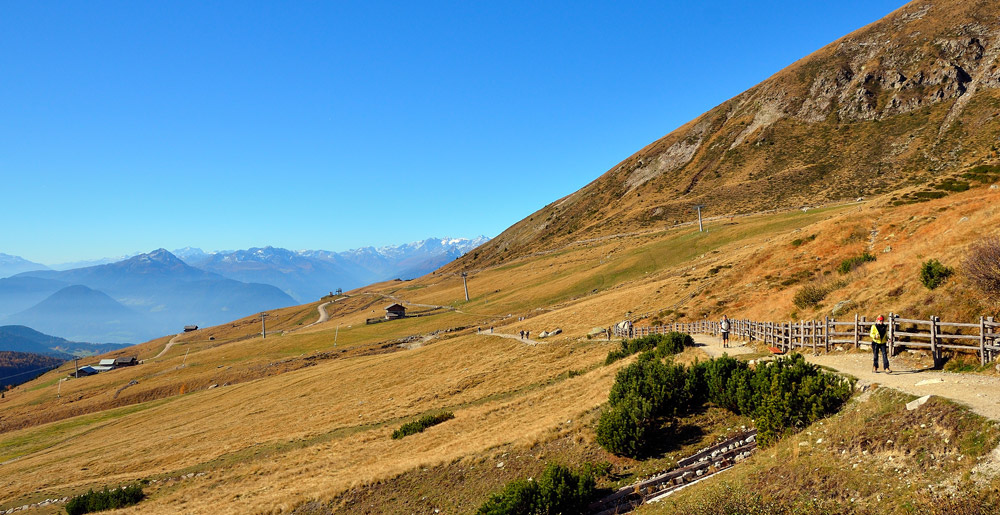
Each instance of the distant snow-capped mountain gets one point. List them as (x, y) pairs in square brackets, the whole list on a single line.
[(309, 274), (11, 265)]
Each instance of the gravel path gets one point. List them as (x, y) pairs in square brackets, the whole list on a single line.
[(168, 345), (972, 390)]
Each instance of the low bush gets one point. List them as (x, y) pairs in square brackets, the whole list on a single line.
[(982, 267), (663, 344), (424, 422), (105, 500), (782, 395), (557, 490), (933, 273), (852, 263), (809, 296)]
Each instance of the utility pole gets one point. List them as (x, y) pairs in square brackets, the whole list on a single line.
[(263, 326), (701, 228), (466, 284), (77, 361)]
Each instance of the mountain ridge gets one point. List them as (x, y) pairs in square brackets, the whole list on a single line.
[(902, 105)]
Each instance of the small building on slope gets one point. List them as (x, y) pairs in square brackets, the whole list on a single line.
[(395, 311)]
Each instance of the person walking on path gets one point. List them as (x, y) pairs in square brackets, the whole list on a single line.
[(522, 334), (724, 328), (880, 343)]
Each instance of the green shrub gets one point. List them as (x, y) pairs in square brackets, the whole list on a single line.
[(933, 273), (785, 394), (851, 263), (105, 500), (809, 296), (664, 344), (557, 490), (673, 343), (424, 422)]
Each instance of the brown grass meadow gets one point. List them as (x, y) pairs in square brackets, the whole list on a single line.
[(228, 422)]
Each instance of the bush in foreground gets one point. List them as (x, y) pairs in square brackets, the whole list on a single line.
[(105, 500), (785, 394), (557, 490), (424, 422)]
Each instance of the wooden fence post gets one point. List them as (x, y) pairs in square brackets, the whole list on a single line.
[(857, 332), (934, 338), (991, 341), (982, 341), (826, 333), (892, 334)]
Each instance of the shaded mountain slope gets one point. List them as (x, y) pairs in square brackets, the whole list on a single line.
[(162, 294), (901, 105), (21, 292), (80, 313)]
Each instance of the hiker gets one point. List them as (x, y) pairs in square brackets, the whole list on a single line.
[(724, 328), (491, 329), (527, 334), (522, 334), (880, 342)]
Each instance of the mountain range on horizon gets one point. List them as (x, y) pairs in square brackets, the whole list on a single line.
[(157, 293)]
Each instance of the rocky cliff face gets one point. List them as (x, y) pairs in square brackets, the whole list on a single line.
[(893, 107)]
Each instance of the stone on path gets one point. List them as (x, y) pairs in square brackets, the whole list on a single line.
[(929, 381)]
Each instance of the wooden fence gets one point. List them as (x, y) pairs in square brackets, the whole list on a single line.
[(904, 333)]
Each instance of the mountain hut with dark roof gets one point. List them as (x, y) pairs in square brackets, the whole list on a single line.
[(395, 311), (126, 362)]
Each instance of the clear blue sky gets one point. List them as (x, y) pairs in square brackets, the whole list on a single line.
[(129, 126)]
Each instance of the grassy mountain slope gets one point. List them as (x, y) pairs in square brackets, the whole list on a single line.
[(899, 105)]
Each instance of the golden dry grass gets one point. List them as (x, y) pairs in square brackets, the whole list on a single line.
[(304, 419)]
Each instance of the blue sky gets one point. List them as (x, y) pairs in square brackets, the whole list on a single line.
[(129, 126)]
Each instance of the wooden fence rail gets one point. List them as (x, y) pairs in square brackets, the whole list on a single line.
[(904, 333)]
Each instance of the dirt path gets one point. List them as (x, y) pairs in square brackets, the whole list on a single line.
[(526, 341), (323, 316), (168, 345), (973, 390)]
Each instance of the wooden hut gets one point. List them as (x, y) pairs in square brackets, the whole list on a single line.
[(395, 311)]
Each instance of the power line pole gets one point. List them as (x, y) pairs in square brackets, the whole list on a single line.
[(466, 284), (701, 228), (263, 326), (77, 360)]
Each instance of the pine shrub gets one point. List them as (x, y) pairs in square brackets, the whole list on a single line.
[(851, 263), (933, 273), (557, 490), (424, 422), (664, 345), (781, 396), (105, 500)]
